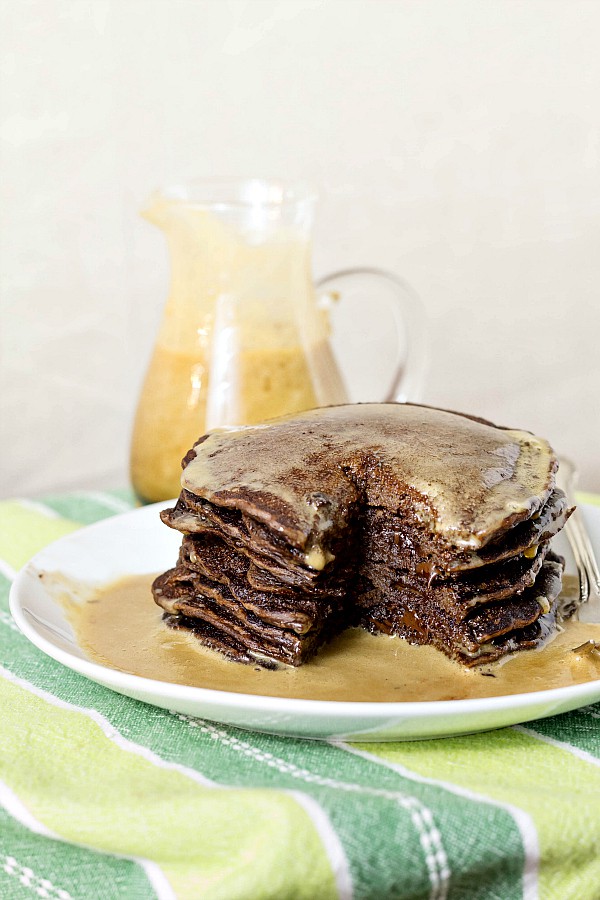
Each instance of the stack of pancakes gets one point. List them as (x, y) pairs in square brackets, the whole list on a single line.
[(398, 518)]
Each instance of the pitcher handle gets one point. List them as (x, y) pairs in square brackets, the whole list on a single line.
[(409, 318)]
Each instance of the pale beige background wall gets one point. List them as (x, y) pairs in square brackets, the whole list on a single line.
[(456, 142)]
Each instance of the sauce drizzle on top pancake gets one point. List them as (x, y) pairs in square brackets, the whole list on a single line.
[(468, 480)]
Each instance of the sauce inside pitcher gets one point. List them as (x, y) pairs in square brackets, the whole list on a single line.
[(242, 338)]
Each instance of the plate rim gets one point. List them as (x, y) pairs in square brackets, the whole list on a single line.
[(319, 708)]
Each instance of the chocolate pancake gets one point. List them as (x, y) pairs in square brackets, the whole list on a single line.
[(265, 624), (409, 520), (460, 595), (386, 537), (482, 636)]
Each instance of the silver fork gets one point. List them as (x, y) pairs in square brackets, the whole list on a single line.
[(578, 538)]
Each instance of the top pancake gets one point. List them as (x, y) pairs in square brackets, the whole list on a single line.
[(463, 479)]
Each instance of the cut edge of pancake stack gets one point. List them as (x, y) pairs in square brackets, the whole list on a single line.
[(397, 518)]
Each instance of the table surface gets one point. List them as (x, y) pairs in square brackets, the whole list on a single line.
[(102, 796)]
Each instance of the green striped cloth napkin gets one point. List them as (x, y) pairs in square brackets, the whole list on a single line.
[(105, 797)]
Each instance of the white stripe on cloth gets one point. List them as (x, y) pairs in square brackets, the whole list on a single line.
[(42, 887), (560, 745), (7, 570), (331, 843), (115, 504), (17, 809), (37, 506), (429, 836), (108, 730), (523, 820)]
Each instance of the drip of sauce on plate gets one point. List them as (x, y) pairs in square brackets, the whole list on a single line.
[(119, 626)]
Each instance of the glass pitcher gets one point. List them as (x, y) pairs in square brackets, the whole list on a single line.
[(245, 336)]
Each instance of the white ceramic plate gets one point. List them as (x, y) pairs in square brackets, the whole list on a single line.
[(136, 543)]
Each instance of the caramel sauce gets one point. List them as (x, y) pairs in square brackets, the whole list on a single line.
[(172, 411), (120, 626)]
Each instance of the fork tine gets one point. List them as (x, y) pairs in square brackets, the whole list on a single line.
[(577, 535), (573, 539), (587, 552)]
